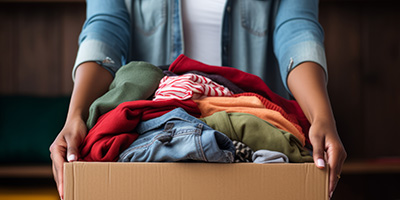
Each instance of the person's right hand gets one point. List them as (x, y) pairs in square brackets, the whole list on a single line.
[(66, 148)]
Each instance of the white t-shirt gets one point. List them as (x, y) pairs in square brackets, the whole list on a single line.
[(202, 21)]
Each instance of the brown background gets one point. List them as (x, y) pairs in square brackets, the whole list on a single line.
[(38, 44)]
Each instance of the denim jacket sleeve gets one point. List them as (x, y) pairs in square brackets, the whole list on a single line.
[(298, 36), (105, 35)]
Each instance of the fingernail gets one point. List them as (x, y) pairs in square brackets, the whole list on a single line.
[(71, 157), (330, 195), (320, 162)]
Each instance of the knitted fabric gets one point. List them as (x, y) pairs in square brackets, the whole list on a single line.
[(272, 106), (246, 81), (114, 131), (243, 152), (251, 105)]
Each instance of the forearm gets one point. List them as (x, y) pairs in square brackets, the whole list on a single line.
[(308, 85), (307, 82), (91, 81)]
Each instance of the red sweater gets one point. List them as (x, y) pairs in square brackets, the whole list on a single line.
[(246, 81), (115, 130)]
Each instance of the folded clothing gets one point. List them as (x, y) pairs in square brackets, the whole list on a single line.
[(178, 136), (115, 130), (246, 81), (188, 86), (134, 81), (251, 105), (258, 134)]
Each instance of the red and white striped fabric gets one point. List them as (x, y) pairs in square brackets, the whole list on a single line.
[(188, 86)]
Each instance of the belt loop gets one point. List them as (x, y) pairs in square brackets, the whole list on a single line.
[(169, 133), (169, 126), (199, 128)]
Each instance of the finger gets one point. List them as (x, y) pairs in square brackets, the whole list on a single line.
[(72, 149), (58, 158), (333, 176), (54, 170), (335, 161), (318, 151)]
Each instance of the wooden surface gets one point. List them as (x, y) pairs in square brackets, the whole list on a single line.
[(28, 171), (39, 40), (42, 1), (38, 44), (365, 167), (363, 52), (82, 1)]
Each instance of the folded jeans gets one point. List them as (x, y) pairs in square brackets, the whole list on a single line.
[(178, 136)]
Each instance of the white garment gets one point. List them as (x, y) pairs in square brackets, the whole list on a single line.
[(189, 86), (202, 21)]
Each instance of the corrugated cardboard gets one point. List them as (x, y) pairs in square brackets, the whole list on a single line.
[(186, 181)]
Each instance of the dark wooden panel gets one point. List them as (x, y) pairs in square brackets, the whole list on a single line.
[(381, 72), (38, 44), (368, 187), (38, 49), (73, 16), (7, 65), (362, 46), (342, 25)]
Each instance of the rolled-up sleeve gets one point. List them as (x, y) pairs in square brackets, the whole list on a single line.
[(105, 35), (298, 36)]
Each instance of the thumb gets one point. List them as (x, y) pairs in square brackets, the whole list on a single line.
[(318, 151), (72, 149)]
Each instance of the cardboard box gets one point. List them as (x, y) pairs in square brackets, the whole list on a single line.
[(185, 181)]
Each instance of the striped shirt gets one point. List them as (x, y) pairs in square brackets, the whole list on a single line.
[(189, 86)]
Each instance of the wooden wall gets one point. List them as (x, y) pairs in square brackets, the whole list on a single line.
[(363, 52), (38, 44)]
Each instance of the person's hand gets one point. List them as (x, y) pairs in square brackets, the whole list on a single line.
[(66, 148), (327, 147)]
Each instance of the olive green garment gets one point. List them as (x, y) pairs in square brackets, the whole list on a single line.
[(134, 81), (258, 134)]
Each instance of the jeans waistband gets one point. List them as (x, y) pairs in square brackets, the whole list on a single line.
[(177, 136)]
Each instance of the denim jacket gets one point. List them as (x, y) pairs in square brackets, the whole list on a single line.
[(262, 37)]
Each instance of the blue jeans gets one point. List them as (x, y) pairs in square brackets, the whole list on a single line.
[(178, 136)]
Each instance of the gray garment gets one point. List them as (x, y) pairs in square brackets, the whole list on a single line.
[(266, 156)]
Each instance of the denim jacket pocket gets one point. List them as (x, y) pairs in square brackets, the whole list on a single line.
[(148, 15), (254, 16)]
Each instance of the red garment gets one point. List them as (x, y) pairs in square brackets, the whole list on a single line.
[(246, 81), (188, 86), (272, 106), (269, 105), (114, 131)]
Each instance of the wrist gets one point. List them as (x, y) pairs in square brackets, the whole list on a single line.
[(323, 118), (76, 114), (322, 126)]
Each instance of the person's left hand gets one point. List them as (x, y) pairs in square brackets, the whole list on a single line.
[(327, 149)]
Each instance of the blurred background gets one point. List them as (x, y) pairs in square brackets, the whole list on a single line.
[(38, 45)]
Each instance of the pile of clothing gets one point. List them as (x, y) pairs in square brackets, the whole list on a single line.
[(193, 112)]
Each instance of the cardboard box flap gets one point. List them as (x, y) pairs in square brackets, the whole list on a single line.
[(183, 181)]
